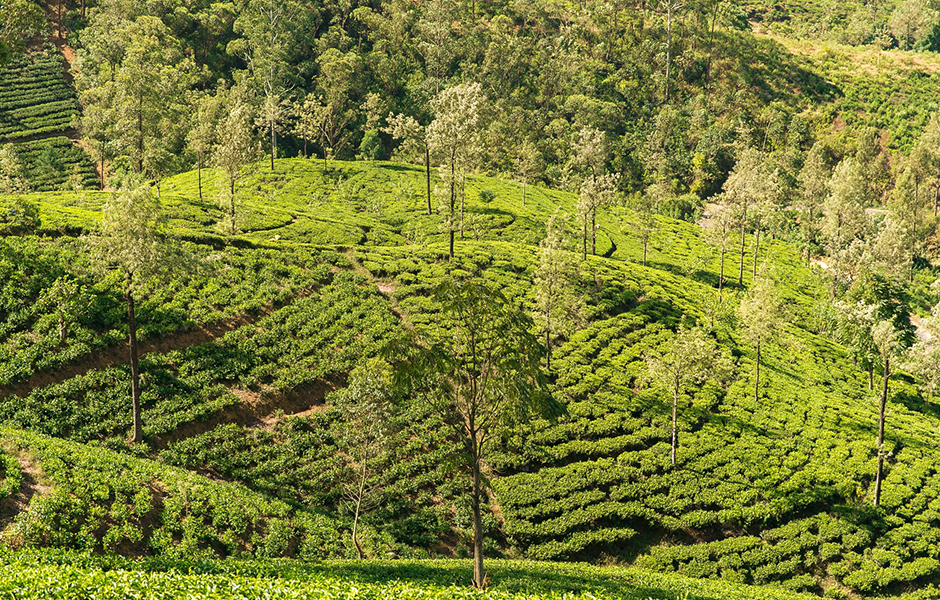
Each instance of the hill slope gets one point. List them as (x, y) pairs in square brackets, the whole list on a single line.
[(328, 266)]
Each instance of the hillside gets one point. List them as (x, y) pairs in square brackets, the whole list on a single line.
[(241, 357)]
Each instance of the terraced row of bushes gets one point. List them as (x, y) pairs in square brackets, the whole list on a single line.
[(34, 96), (101, 500), (222, 285), (55, 164), (298, 345)]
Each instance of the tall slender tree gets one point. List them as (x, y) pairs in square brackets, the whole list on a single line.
[(129, 241), (454, 135), (478, 372)]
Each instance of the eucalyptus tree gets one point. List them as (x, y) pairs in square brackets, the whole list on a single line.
[(129, 241), (414, 141), (371, 429), (812, 189), (558, 306), (689, 358), (719, 232), (478, 370), (890, 335), (455, 136), (923, 360), (234, 149), (135, 112), (208, 110), (747, 190), (760, 316), (594, 193), (269, 32), (589, 155)]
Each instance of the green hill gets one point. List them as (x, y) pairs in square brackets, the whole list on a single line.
[(242, 357)]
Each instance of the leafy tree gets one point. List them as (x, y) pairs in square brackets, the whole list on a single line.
[(138, 114), (234, 149), (595, 192), (888, 342), (268, 29), (647, 224), (67, 299), (478, 371), (12, 172), (691, 357), (855, 323), (202, 133), (910, 21), (20, 21), (719, 232), (305, 124), (844, 220), (414, 140), (129, 241), (368, 411), (891, 334), (923, 360), (454, 135), (527, 165), (748, 188), (813, 187), (760, 316), (590, 154), (669, 8), (558, 304)]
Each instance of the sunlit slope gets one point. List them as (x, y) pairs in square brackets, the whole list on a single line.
[(772, 490)]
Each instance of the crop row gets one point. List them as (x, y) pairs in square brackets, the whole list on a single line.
[(56, 163), (224, 285), (309, 339), (100, 500), (34, 97)]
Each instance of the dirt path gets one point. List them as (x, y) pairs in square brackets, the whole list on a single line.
[(114, 356), (262, 410)]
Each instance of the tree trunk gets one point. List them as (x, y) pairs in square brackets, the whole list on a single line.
[(668, 51), (548, 349), (756, 249), (584, 237), (871, 369), (594, 231), (463, 196), (478, 576), (721, 272), (355, 529), (881, 431), (232, 204), (138, 434), (741, 266), (427, 173), (273, 144), (757, 373), (453, 201), (675, 410)]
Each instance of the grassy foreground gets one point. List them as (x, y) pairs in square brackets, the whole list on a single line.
[(51, 575)]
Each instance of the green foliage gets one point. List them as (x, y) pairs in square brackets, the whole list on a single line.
[(34, 97)]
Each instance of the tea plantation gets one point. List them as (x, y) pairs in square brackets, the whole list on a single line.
[(249, 342)]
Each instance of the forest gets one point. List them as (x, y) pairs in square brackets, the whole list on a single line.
[(470, 298)]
